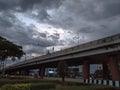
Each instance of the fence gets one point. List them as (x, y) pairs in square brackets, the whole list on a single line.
[(104, 82)]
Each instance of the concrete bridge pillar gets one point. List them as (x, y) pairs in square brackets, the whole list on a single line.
[(9, 72), (86, 70), (12, 72), (24, 72), (115, 72), (105, 70), (42, 71)]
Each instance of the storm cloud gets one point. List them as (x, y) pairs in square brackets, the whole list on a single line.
[(41, 24)]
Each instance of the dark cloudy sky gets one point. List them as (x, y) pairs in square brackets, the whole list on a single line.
[(38, 25)]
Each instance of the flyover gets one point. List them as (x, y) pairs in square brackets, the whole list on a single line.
[(105, 51)]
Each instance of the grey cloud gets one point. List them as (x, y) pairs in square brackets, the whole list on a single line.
[(55, 36), (23, 5), (42, 15), (113, 9), (86, 30), (49, 40), (43, 3), (86, 9), (7, 5), (5, 23), (88, 17), (92, 19), (33, 49), (24, 35), (27, 6), (43, 35), (104, 9), (43, 42), (6, 19)]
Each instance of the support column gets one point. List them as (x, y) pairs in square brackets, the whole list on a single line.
[(42, 71), (105, 70), (86, 70), (8, 72), (12, 72), (27, 72), (114, 69), (23, 72)]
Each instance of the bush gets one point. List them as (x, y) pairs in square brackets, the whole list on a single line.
[(45, 86), (20, 81), (16, 87), (38, 86), (17, 81)]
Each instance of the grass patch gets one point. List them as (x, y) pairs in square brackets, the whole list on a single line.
[(16, 87), (87, 87), (20, 81), (43, 86), (38, 86)]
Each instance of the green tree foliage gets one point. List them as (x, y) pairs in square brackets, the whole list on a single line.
[(98, 73), (62, 69), (9, 49)]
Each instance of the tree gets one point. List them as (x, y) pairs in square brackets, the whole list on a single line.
[(100, 74), (9, 50), (62, 69)]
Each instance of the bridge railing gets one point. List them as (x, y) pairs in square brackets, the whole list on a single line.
[(97, 43)]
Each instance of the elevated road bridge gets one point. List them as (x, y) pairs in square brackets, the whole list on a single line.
[(105, 51)]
